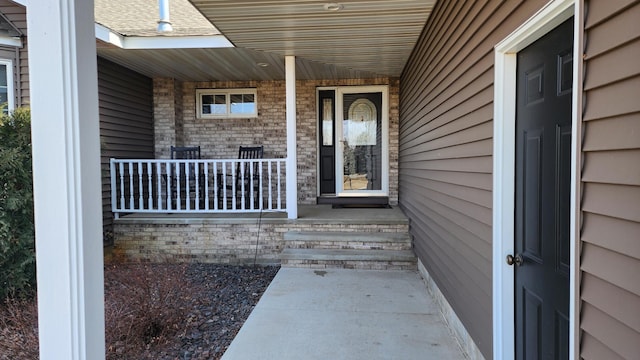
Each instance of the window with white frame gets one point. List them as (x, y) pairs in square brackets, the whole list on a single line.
[(226, 103), (6, 85)]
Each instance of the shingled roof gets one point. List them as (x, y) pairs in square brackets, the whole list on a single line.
[(140, 18)]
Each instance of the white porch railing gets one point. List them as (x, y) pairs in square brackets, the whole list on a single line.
[(197, 186)]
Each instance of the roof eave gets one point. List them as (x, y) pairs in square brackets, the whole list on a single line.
[(160, 42)]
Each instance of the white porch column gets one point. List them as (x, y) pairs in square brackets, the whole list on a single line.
[(66, 163), (292, 168)]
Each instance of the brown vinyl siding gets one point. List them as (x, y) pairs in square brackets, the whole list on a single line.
[(610, 233), (126, 122), (17, 15), (446, 146)]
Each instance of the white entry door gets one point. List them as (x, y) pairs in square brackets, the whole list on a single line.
[(362, 139)]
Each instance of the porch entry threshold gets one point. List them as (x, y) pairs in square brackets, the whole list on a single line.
[(354, 201)]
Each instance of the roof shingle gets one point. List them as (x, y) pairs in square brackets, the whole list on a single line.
[(140, 18)]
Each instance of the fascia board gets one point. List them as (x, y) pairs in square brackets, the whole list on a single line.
[(177, 42), (160, 42), (10, 41)]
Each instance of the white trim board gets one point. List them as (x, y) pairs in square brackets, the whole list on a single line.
[(551, 15), (107, 35)]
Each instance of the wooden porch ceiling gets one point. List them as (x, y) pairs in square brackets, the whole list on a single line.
[(363, 39)]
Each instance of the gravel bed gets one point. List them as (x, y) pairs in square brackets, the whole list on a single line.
[(228, 294)]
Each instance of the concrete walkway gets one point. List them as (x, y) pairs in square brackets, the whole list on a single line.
[(344, 314)]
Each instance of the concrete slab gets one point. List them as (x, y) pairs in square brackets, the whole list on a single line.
[(344, 314)]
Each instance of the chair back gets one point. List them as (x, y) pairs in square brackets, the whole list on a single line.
[(185, 152), (251, 152), (247, 153)]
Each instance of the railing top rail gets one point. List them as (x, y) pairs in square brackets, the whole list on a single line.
[(116, 160)]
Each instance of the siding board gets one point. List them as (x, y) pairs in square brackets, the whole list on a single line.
[(593, 349), (611, 167), (472, 180), (619, 132), (610, 259), (597, 230), (620, 201), (470, 149), (616, 268), (617, 302), (126, 122), (481, 100), (601, 71), (600, 11), (615, 99), (17, 15), (616, 336), (615, 31)]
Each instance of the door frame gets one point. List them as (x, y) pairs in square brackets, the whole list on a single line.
[(339, 91), (551, 15)]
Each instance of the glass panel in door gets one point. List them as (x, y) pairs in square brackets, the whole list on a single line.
[(361, 142)]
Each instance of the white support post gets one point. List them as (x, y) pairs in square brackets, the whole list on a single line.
[(292, 172), (66, 164)]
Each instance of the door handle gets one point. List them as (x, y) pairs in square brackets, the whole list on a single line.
[(517, 260)]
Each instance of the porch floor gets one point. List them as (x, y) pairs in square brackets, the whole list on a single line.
[(320, 214), (345, 314)]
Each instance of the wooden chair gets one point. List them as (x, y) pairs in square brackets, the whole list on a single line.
[(243, 176), (185, 152), (188, 153)]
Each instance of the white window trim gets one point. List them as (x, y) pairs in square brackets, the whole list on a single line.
[(550, 16), (10, 86), (227, 93)]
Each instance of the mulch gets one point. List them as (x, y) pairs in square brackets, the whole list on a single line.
[(223, 298)]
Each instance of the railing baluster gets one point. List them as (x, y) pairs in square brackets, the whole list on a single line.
[(196, 174), (114, 187), (260, 193), (206, 185), (121, 174), (150, 180), (178, 186), (159, 181), (215, 185), (279, 189), (131, 206), (140, 190), (251, 185), (168, 167), (243, 184), (224, 185), (270, 204), (233, 185)]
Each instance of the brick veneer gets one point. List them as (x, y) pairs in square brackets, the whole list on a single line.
[(176, 124), (221, 241)]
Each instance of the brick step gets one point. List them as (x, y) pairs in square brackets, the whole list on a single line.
[(347, 240), (349, 259)]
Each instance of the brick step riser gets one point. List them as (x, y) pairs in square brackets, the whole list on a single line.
[(321, 244), (350, 264)]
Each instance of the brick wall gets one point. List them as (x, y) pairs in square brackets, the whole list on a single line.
[(164, 116), (176, 124), (218, 241)]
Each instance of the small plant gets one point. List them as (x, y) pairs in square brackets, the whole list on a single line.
[(17, 247), (146, 305), (18, 329)]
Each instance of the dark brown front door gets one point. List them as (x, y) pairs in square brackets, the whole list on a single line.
[(543, 159)]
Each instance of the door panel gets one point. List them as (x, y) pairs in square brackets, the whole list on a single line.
[(326, 108), (543, 159), (361, 144)]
